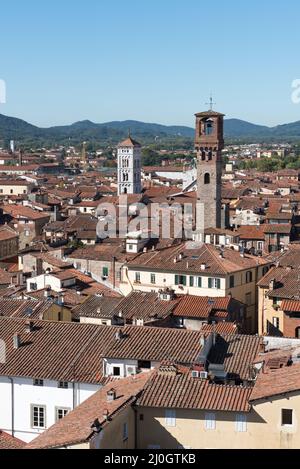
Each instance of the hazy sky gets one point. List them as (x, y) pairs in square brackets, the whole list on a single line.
[(150, 60)]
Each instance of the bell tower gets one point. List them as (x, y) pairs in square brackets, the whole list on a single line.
[(209, 143)]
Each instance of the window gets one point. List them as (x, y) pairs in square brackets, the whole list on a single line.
[(61, 412), (231, 281), (241, 423), (38, 416), (206, 178), (260, 246), (249, 277), (170, 418), (210, 421), (286, 417), (199, 282), (153, 279), (276, 322), (144, 364), (105, 272), (116, 371), (63, 384), (180, 280), (130, 247), (214, 283), (137, 277), (125, 431), (192, 280), (38, 382)]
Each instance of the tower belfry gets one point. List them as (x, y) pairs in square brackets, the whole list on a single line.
[(209, 143), (129, 167)]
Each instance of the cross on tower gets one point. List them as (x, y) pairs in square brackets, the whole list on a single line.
[(211, 103)]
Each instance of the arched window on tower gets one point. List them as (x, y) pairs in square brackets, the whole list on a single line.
[(206, 178), (125, 177), (208, 127), (210, 155), (203, 156)]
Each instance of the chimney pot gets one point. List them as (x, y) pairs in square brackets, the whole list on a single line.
[(16, 341)]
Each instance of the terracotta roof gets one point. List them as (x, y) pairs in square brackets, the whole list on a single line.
[(142, 305), (200, 306), (252, 232), (235, 353), (20, 211), (129, 142), (193, 259), (182, 391), (275, 382), (23, 308), (95, 307), (278, 228), (9, 442), (156, 344), (75, 428), (290, 306), (55, 350)]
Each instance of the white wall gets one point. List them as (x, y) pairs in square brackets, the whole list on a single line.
[(26, 394)]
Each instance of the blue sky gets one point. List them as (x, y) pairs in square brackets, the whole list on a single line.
[(150, 60)]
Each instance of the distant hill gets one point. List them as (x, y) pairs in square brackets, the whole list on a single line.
[(112, 132)]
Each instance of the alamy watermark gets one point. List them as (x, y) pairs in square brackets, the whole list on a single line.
[(155, 221), (2, 92)]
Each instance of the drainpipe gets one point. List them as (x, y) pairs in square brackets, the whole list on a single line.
[(12, 406), (135, 426), (74, 395)]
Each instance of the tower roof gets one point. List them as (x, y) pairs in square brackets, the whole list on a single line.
[(129, 142), (209, 114)]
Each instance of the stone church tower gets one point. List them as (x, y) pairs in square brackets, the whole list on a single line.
[(209, 143), (129, 167)]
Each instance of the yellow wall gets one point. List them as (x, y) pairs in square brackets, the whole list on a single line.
[(264, 429), (266, 312), (111, 437)]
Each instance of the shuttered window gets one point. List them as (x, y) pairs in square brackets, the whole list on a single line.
[(210, 421), (241, 423), (170, 418)]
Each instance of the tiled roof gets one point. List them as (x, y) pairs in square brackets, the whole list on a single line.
[(236, 353), (278, 228), (156, 344), (55, 350), (290, 306), (200, 306), (20, 211), (193, 259), (75, 428), (96, 307), (142, 305), (252, 232), (182, 391), (275, 382), (129, 142), (9, 442), (23, 308)]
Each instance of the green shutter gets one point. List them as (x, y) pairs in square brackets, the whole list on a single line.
[(105, 271), (191, 281), (199, 282), (176, 279), (210, 280), (218, 283), (184, 280)]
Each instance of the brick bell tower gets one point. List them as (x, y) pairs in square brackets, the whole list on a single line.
[(209, 143)]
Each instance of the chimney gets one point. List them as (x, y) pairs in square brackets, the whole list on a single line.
[(119, 335), (111, 395), (28, 326), (16, 341), (272, 284), (105, 414), (47, 293), (96, 426), (203, 266)]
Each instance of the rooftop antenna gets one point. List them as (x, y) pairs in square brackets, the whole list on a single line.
[(211, 103)]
